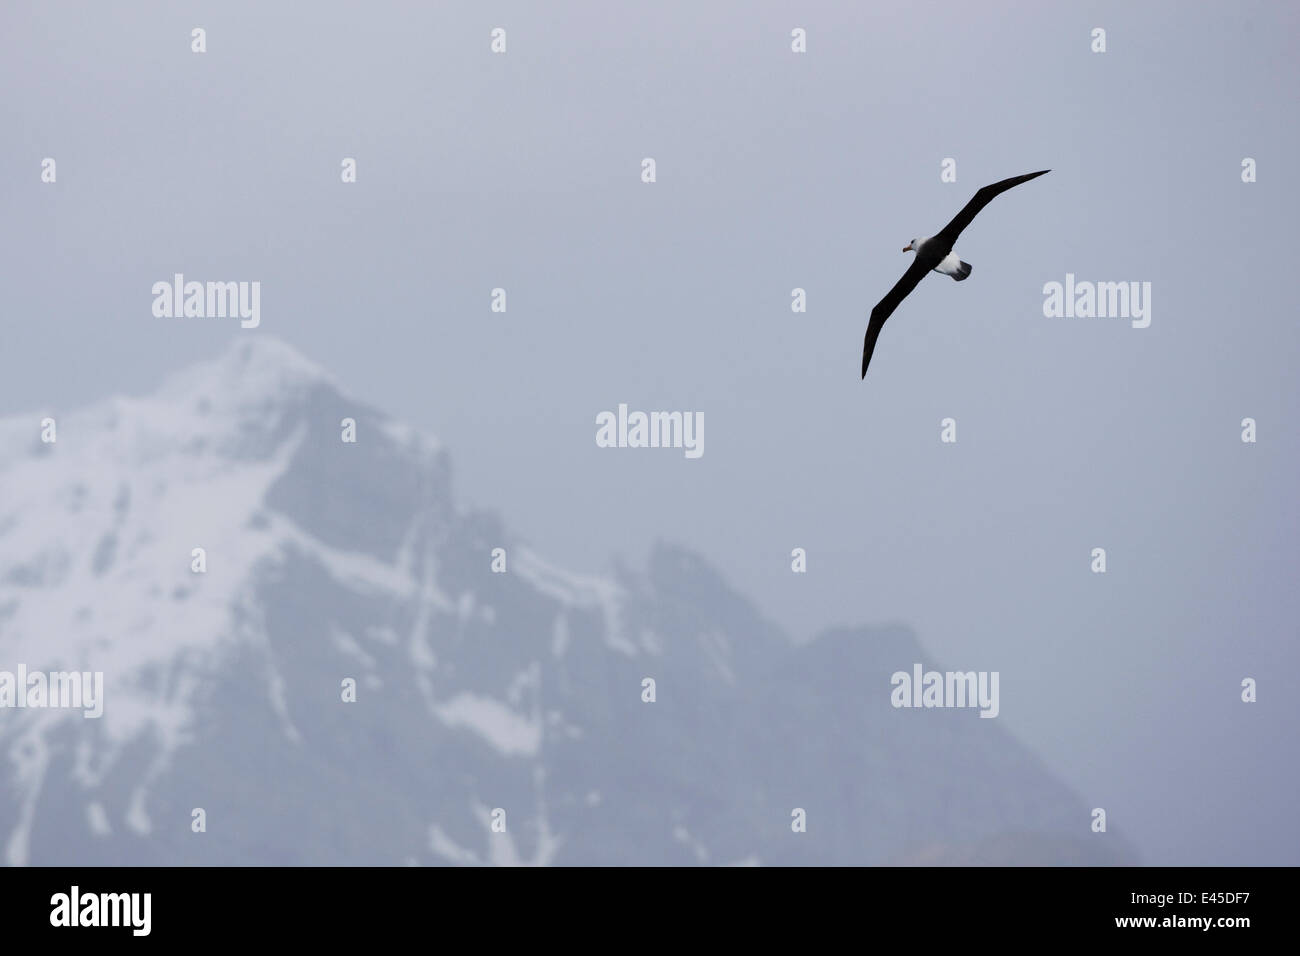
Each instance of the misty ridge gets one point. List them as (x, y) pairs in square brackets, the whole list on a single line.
[(312, 655)]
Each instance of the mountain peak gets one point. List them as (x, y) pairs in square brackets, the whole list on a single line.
[(256, 591), (251, 370)]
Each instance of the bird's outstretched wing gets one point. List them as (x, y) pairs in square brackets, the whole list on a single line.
[(950, 232), (886, 306)]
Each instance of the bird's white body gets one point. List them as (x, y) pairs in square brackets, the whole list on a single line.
[(949, 265)]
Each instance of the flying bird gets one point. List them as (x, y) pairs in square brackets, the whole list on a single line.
[(934, 252)]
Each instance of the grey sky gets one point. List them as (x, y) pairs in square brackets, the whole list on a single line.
[(775, 171)]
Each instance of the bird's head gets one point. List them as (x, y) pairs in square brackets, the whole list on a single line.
[(913, 246)]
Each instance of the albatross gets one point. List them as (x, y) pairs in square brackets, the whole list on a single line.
[(934, 252)]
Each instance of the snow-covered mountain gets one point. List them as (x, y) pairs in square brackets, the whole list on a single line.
[(475, 690)]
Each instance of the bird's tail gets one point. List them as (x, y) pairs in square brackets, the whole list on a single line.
[(963, 270)]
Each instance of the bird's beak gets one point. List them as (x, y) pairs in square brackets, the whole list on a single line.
[(907, 248)]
